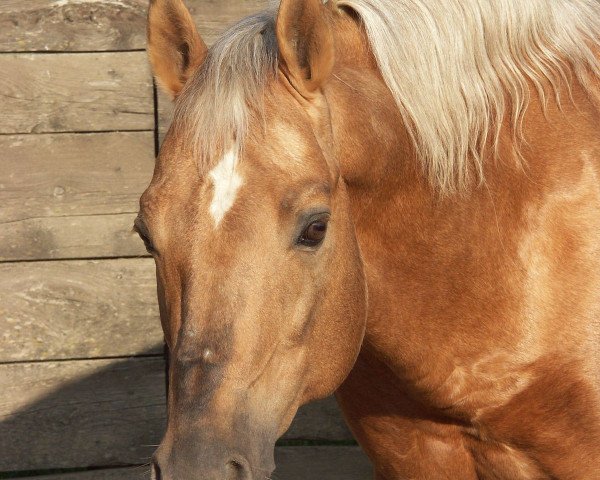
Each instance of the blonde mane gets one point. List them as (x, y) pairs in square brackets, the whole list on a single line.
[(456, 69)]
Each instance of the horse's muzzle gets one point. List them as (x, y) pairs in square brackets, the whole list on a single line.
[(200, 458), (233, 469)]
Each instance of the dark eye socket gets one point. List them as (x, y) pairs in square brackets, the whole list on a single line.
[(141, 230), (314, 233), (147, 243)]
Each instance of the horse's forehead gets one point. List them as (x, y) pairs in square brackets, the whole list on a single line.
[(226, 179), (291, 145), (284, 154)]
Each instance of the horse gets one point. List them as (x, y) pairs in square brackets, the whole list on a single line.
[(396, 201)]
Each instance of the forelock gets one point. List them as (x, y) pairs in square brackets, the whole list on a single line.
[(214, 110)]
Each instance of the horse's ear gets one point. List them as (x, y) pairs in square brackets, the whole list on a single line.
[(174, 45), (305, 43)]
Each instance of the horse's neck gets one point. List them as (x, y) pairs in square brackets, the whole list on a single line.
[(435, 264), (368, 130), (376, 155)]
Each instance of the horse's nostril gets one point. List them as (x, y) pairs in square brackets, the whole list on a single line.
[(156, 473), (238, 469)]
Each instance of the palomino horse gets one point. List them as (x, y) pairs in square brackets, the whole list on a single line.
[(395, 200)]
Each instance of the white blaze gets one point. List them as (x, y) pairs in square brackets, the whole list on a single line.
[(226, 183)]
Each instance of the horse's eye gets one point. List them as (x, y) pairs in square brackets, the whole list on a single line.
[(140, 228), (314, 233), (147, 243)]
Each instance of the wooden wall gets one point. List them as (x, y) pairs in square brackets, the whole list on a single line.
[(81, 366)]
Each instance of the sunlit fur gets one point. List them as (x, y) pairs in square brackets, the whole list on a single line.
[(467, 61), (460, 332)]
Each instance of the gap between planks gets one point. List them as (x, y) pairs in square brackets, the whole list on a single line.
[(79, 132), (66, 52), (83, 259), (82, 359)]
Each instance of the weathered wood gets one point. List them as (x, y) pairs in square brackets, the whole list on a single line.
[(81, 413), (100, 412), (94, 25), (212, 17), (129, 473), (72, 195), (323, 463), (87, 236), (89, 25), (320, 420), (78, 309), (293, 463), (75, 92)]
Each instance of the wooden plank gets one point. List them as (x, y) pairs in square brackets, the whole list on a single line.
[(129, 473), (75, 25), (95, 25), (75, 414), (99, 413), (321, 421), (72, 195), (324, 463), (78, 309), (293, 463), (76, 92), (212, 17), (87, 236)]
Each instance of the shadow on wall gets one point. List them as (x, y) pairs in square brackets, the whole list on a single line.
[(96, 413), (81, 413)]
